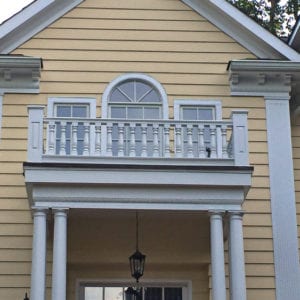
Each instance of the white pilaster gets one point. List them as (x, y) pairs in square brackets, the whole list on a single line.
[(38, 267), (217, 256), (236, 257), (59, 270), (284, 221)]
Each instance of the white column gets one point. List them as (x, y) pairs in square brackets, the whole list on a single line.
[(217, 256), (59, 270), (236, 257), (283, 203), (38, 267)]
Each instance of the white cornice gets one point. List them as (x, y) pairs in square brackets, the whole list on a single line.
[(278, 79), (19, 74), (32, 20), (243, 29)]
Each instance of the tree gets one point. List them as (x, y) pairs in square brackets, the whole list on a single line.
[(277, 16)]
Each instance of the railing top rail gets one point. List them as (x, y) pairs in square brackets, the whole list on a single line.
[(137, 121)]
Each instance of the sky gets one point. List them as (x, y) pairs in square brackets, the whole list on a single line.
[(10, 7)]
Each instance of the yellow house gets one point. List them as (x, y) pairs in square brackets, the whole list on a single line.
[(165, 126)]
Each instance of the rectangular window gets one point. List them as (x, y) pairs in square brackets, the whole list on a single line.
[(198, 110), (76, 108), (123, 293)]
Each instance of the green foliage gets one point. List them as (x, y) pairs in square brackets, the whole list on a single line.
[(277, 16)]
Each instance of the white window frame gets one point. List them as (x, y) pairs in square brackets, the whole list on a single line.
[(217, 104), (186, 285), (91, 102), (134, 76), (52, 101)]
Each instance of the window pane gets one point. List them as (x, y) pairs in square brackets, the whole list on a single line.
[(189, 113), (153, 293), (173, 294), (141, 89), (93, 293), (113, 293), (205, 114), (135, 113), (80, 111), (117, 96), (128, 89), (63, 111), (118, 112), (153, 96), (151, 113)]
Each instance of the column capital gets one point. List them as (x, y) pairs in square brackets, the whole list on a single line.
[(216, 212), (237, 213), (63, 211), (36, 210)]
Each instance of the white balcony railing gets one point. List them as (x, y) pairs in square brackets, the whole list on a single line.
[(70, 137)]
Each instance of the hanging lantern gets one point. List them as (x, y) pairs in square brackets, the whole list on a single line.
[(137, 259)]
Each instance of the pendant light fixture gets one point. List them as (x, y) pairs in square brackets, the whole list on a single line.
[(137, 259)]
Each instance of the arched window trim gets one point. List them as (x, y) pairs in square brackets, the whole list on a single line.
[(134, 76)]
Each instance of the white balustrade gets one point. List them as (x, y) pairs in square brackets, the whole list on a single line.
[(209, 140)]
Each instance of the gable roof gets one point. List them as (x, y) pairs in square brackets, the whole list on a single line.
[(229, 19)]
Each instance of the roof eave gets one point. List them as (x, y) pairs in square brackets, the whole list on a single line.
[(32, 20), (244, 30)]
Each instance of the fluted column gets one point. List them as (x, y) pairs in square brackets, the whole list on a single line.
[(236, 257), (217, 256), (59, 269), (38, 267)]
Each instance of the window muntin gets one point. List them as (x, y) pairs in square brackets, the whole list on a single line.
[(77, 108), (119, 293), (130, 99), (198, 110)]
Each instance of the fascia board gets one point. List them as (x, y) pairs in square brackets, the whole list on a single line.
[(32, 20), (243, 29), (264, 65)]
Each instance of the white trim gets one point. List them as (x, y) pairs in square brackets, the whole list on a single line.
[(132, 76), (71, 100), (181, 102), (243, 29), (32, 20), (1, 110), (285, 237), (185, 284)]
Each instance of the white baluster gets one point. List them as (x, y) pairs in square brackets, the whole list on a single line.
[(86, 139), (166, 140), (144, 140), (74, 138), (121, 139), (132, 151), (178, 140), (201, 145), (189, 130), (98, 139), (62, 150), (109, 140), (213, 148), (155, 141), (224, 141), (51, 139)]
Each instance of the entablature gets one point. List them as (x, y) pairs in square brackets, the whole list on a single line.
[(263, 77), (130, 185)]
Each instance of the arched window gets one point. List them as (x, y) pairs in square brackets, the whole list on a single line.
[(135, 96)]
